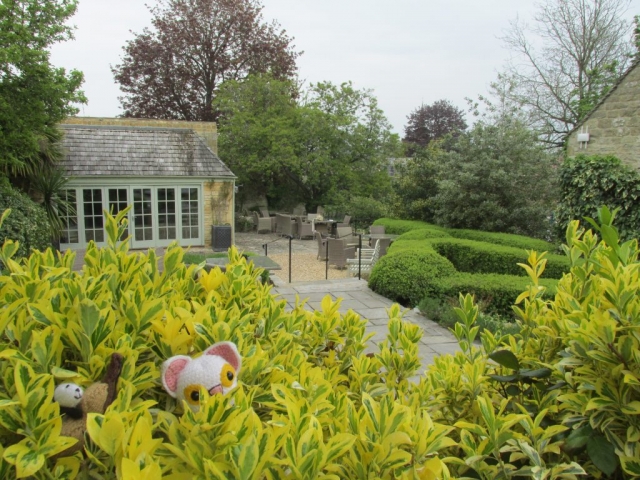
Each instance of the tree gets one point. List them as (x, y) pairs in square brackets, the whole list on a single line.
[(34, 95), (432, 122), (497, 177), (584, 48), (315, 146), (175, 69)]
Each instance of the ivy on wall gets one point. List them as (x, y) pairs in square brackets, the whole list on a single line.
[(589, 182)]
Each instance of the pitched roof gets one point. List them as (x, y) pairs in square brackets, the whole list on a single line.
[(92, 150), (634, 64)]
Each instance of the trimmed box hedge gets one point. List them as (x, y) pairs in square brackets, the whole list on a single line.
[(481, 257), (423, 234), (497, 293), (405, 275), (506, 239), (398, 227)]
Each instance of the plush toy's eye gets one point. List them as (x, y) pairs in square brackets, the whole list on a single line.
[(192, 394), (227, 375)]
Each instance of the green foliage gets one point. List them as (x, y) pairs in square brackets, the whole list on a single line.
[(363, 211), (27, 224), (443, 312), (495, 177), (496, 293), (311, 403), (423, 234), (34, 95), (480, 257), (507, 239), (306, 147), (398, 227), (406, 274), (589, 182)]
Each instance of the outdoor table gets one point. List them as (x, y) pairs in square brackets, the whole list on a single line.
[(325, 227), (258, 260)]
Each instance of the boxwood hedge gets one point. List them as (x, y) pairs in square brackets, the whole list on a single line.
[(407, 272), (398, 227), (480, 257), (423, 234), (497, 293), (507, 239)]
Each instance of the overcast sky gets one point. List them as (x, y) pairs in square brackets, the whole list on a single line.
[(408, 51)]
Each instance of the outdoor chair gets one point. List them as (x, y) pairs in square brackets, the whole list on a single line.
[(298, 210), (365, 261), (384, 245), (261, 224), (322, 247), (287, 225), (339, 253), (305, 229), (376, 229), (345, 222), (311, 216), (346, 234), (264, 212)]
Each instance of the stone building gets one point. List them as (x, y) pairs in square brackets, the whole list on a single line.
[(613, 127), (167, 171)]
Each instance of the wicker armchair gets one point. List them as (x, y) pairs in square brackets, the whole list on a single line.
[(384, 245), (261, 224), (305, 229), (345, 222), (339, 253), (376, 229), (322, 247), (285, 225), (346, 234)]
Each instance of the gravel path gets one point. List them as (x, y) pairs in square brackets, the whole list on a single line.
[(305, 268)]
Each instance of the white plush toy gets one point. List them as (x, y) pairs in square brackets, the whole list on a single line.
[(215, 371)]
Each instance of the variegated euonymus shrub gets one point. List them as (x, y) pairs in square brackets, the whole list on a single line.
[(558, 401)]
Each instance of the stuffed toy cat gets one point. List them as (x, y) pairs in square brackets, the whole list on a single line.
[(76, 404), (215, 371)]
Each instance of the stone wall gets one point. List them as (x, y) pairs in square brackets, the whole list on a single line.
[(207, 130), (218, 206), (614, 127)]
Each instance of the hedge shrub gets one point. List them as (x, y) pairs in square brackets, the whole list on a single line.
[(27, 224), (480, 257), (405, 274), (506, 239), (422, 234), (497, 293), (558, 400), (589, 182), (398, 227)]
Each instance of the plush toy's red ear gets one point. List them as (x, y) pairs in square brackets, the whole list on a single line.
[(171, 371), (228, 351)]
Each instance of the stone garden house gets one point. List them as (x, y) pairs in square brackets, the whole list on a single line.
[(613, 126), (167, 171)]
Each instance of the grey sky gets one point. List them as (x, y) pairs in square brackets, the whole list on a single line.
[(408, 52)]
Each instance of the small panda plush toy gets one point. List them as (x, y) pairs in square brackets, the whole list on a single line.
[(69, 396), (215, 371)]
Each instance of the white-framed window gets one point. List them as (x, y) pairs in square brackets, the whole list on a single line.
[(159, 214)]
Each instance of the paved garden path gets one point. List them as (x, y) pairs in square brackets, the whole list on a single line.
[(357, 296)]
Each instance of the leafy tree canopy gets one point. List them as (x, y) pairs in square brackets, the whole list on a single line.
[(566, 62), (432, 122), (34, 95), (311, 146), (174, 70), (495, 177)]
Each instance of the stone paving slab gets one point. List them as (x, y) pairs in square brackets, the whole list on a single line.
[(373, 307)]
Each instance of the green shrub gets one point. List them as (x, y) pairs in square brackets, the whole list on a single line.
[(480, 257), (443, 312), (363, 211), (506, 239), (398, 227), (405, 275), (497, 293), (27, 223), (422, 234), (589, 182)]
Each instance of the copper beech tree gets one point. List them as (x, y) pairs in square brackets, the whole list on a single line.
[(173, 70)]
